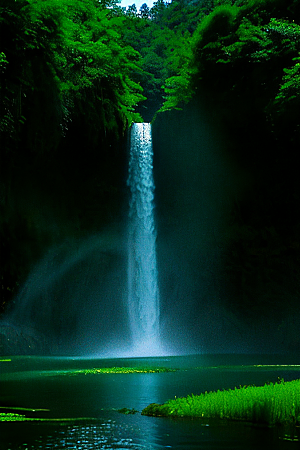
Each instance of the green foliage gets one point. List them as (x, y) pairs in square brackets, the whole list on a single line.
[(72, 68), (178, 87), (19, 35), (73, 52), (98, 66), (272, 404), (217, 24), (289, 91), (66, 76), (177, 91), (284, 108), (265, 9), (245, 40), (144, 11), (131, 11), (3, 61), (164, 47), (252, 42)]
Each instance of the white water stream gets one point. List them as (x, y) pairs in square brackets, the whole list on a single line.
[(143, 292)]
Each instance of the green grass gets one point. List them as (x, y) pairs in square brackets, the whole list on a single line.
[(271, 404)]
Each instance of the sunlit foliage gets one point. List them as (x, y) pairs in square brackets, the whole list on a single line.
[(71, 51)]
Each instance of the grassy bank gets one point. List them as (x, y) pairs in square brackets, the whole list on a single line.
[(270, 404)]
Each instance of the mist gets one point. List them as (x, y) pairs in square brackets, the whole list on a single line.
[(74, 301), (199, 182)]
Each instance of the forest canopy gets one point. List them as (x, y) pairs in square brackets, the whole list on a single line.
[(58, 58)]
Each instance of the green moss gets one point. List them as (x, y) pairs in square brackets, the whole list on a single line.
[(271, 404)]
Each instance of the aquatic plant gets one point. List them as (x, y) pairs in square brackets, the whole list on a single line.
[(127, 411), (274, 403), (12, 417), (103, 370)]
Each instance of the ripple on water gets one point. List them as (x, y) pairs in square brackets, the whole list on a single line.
[(109, 435)]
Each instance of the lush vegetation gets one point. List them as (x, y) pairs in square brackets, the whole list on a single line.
[(245, 69), (74, 74), (272, 404), (67, 87), (246, 41)]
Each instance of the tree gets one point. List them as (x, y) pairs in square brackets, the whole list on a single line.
[(132, 11), (144, 11), (66, 77), (157, 10)]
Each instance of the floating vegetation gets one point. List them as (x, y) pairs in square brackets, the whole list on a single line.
[(274, 403), (279, 366), (91, 371), (14, 417), (254, 367), (14, 408), (103, 370), (127, 411)]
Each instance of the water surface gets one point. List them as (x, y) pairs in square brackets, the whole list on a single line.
[(92, 401)]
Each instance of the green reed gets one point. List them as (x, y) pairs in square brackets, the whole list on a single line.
[(273, 403)]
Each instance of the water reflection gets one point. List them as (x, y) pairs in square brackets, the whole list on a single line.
[(103, 397), (109, 435), (99, 397)]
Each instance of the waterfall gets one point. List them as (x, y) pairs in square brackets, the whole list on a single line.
[(143, 292)]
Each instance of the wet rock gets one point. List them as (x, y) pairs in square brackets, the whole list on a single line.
[(15, 341)]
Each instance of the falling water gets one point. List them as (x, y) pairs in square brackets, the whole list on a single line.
[(143, 293)]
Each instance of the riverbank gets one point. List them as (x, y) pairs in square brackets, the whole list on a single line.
[(273, 403)]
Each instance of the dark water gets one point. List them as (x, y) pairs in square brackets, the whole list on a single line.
[(91, 401)]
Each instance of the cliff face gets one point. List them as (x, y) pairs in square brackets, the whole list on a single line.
[(77, 192), (227, 214)]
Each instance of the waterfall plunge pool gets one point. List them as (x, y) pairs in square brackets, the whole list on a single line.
[(92, 402)]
